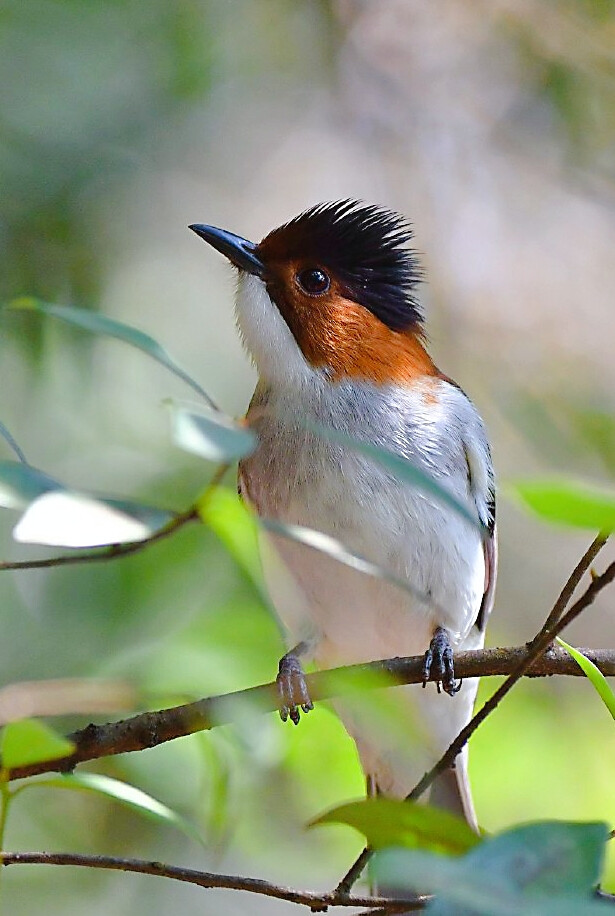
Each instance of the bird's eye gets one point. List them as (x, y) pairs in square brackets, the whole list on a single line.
[(314, 281)]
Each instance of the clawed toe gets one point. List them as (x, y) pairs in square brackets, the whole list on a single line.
[(438, 663), (292, 689)]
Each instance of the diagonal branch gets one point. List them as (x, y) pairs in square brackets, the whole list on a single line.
[(150, 729), (552, 626), (574, 578), (316, 902)]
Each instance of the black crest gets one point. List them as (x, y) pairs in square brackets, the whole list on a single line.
[(365, 247)]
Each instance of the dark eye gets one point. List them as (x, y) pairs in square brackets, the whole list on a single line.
[(314, 281)]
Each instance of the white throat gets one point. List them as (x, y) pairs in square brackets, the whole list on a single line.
[(267, 337)]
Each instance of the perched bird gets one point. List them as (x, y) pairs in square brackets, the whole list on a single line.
[(326, 307)]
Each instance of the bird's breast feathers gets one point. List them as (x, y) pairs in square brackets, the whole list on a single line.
[(300, 478)]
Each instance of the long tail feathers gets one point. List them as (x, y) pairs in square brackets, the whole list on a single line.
[(451, 790)]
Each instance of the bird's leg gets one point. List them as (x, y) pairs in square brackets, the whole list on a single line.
[(438, 661), (292, 688)]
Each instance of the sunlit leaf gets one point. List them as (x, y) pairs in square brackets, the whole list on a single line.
[(62, 518), (223, 511), (123, 792), (391, 822), (6, 435), (337, 551), (594, 674), (20, 484), (108, 327), (30, 741), (211, 435), (569, 502), (402, 468), (545, 869)]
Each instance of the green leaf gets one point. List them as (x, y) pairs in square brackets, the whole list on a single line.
[(594, 674), (30, 741), (11, 441), (569, 503), (544, 869), (21, 484), (212, 436), (123, 792), (402, 468), (390, 822), (333, 548), (222, 511), (64, 518), (100, 324)]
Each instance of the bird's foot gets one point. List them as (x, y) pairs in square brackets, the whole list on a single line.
[(292, 689), (438, 661)]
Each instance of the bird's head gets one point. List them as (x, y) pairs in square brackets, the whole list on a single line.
[(331, 290)]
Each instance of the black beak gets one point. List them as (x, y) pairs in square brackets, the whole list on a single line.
[(239, 251)]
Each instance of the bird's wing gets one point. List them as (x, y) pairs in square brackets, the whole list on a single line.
[(482, 488)]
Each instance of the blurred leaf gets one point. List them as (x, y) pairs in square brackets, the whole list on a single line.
[(30, 741), (123, 792), (544, 869), (20, 484), (333, 548), (593, 673), (596, 429), (569, 502), (224, 512), (62, 518), (212, 436), (108, 327), (11, 441), (402, 468), (391, 822)]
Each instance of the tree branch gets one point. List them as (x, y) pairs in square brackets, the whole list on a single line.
[(316, 902), (150, 729), (574, 578), (552, 626)]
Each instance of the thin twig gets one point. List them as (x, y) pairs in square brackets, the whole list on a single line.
[(553, 625), (573, 580), (150, 729), (317, 902)]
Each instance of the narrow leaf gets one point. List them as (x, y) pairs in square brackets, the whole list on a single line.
[(63, 518), (100, 324), (391, 822), (337, 551), (30, 741), (594, 674), (126, 794), (20, 484), (569, 503), (11, 441), (402, 468), (213, 436)]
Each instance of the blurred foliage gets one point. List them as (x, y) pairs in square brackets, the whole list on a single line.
[(114, 113)]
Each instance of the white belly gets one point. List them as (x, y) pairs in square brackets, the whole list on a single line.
[(348, 617)]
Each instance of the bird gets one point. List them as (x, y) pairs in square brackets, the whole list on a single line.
[(328, 310)]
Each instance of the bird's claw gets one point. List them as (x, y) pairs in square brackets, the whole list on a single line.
[(438, 662), (292, 689)]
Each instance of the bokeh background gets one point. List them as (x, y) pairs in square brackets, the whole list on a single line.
[(492, 126)]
